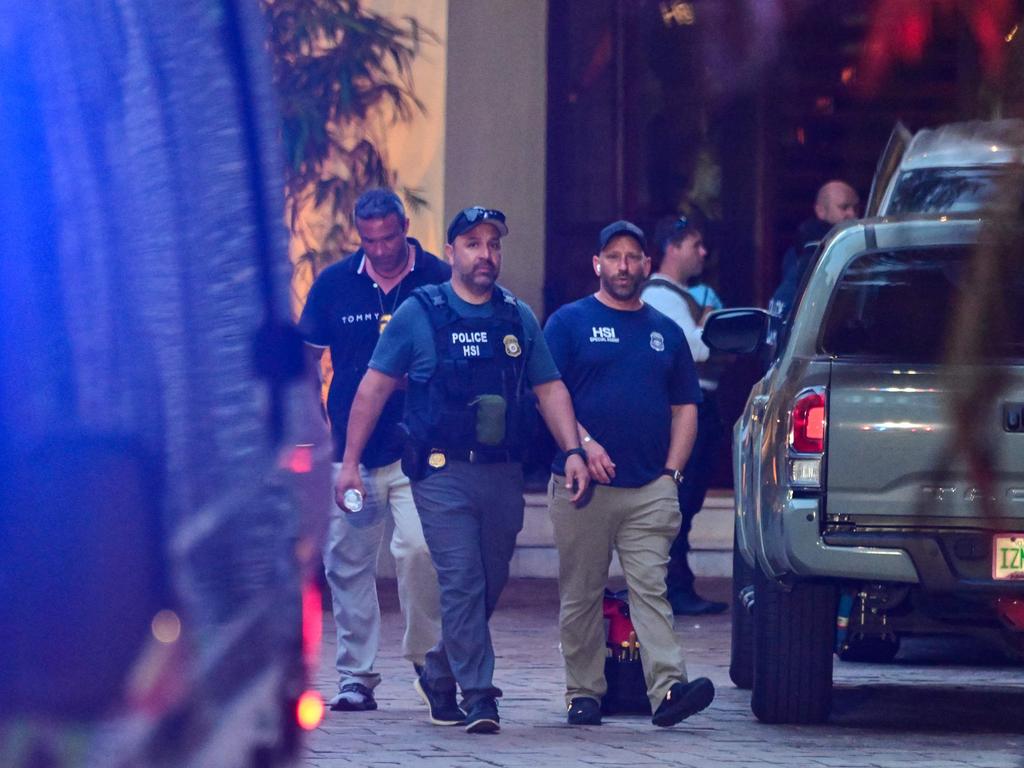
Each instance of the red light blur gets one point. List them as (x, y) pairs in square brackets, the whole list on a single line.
[(309, 711), (312, 624), (916, 29), (298, 459), (808, 419)]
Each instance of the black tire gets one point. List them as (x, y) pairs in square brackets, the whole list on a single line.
[(741, 655), (871, 650), (794, 637)]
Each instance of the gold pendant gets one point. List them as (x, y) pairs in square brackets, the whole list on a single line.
[(436, 459), (382, 323)]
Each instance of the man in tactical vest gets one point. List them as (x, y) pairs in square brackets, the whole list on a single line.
[(477, 365), (680, 242)]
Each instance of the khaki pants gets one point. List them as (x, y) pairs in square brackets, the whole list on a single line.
[(350, 561), (640, 524)]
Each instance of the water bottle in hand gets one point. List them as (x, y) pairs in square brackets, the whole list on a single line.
[(353, 500), (357, 514)]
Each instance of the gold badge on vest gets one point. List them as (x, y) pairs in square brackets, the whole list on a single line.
[(512, 348)]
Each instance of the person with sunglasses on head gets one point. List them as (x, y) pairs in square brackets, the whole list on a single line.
[(477, 367), (679, 242), (634, 387), (348, 305)]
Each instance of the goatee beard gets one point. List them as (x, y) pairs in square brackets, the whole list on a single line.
[(618, 293)]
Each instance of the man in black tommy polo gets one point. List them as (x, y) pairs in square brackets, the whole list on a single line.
[(348, 306)]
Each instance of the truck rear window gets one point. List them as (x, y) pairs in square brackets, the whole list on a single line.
[(901, 305), (945, 190)]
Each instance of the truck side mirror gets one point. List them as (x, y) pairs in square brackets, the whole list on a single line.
[(737, 331)]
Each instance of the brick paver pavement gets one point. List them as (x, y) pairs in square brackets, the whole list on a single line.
[(939, 706)]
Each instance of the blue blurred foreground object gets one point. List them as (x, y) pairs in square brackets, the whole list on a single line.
[(162, 454)]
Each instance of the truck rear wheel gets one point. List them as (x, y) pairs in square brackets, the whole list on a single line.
[(794, 636)]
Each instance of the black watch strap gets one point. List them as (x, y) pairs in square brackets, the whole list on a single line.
[(577, 451), (675, 474)]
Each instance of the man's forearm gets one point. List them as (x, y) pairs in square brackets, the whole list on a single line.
[(374, 391), (556, 408), (684, 432), (314, 356)]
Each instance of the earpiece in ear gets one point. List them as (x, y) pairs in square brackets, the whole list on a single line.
[(598, 269)]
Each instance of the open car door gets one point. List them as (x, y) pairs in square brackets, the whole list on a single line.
[(888, 162)]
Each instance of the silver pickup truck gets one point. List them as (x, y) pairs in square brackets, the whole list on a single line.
[(861, 517)]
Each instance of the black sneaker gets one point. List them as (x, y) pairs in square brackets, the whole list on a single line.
[(692, 604), (482, 716), (353, 697), (584, 710), (683, 700), (441, 705)]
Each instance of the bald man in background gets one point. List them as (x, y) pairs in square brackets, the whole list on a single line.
[(835, 202)]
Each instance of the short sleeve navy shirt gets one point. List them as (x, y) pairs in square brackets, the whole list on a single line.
[(408, 346), (343, 312), (625, 370)]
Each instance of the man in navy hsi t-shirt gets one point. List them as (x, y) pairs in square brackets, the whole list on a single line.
[(634, 389)]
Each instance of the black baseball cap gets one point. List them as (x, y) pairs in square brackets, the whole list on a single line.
[(620, 227), (468, 218)]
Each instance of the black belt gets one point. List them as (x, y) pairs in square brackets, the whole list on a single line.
[(481, 455)]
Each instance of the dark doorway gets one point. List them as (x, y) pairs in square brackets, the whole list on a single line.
[(742, 107)]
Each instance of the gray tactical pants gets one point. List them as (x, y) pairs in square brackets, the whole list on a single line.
[(471, 514)]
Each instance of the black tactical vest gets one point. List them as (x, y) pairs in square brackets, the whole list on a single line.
[(481, 371)]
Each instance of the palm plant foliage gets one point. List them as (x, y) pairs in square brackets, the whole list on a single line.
[(335, 64)]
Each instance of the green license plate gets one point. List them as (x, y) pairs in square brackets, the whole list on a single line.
[(1008, 556)]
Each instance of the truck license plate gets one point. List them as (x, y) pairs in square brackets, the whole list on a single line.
[(1008, 556)]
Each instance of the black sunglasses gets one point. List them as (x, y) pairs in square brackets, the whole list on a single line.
[(477, 213), (468, 217)]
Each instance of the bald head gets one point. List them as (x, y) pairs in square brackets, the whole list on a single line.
[(836, 201)]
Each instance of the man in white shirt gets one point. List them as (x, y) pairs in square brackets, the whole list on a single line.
[(680, 243)]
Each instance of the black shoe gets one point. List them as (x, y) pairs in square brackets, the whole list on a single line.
[(683, 700), (692, 604), (441, 705), (584, 710), (353, 697), (482, 716)]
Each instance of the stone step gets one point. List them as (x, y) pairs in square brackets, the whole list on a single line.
[(536, 556)]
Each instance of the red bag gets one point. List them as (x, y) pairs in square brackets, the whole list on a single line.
[(623, 670)]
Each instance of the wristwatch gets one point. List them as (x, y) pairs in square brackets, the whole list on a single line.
[(577, 452), (675, 474)]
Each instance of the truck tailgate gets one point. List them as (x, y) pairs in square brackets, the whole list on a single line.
[(893, 457)]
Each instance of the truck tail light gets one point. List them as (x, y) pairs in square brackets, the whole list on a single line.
[(807, 432), (807, 438)]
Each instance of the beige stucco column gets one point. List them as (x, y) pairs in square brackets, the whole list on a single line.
[(495, 131), (482, 138)]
